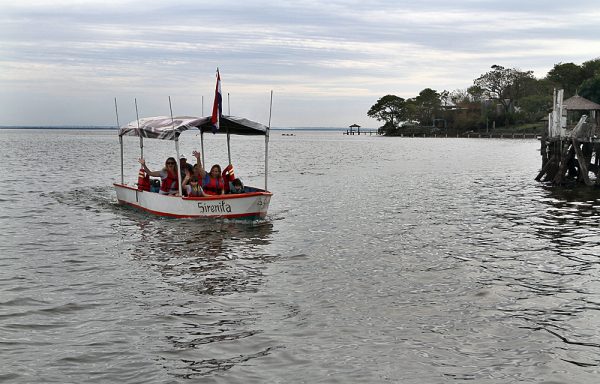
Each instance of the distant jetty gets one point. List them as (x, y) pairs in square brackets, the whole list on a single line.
[(354, 129)]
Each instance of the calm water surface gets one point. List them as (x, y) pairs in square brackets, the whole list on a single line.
[(383, 260)]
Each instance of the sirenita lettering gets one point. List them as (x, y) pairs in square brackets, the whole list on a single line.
[(221, 207)]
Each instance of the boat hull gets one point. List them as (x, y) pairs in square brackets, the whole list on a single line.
[(251, 205)]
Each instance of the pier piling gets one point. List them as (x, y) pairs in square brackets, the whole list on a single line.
[(571, 152)]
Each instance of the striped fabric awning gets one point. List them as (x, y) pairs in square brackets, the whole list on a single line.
[(167, 128)]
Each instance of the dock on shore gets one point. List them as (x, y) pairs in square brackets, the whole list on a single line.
[(571, 152)]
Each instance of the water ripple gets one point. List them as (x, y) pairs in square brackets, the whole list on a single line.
[(382, 260)]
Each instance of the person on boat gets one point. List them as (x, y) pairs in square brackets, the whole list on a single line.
[(191, 186), (184, 165), (168, 176), (236, 186), (212, 182)]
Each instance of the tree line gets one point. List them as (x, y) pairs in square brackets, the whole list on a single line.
[(501, 97)]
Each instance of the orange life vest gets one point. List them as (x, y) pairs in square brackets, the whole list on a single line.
[(143, 180), (212, 186), (169, 182), (228, 177)]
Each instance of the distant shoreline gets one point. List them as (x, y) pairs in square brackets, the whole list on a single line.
[(332, 129)]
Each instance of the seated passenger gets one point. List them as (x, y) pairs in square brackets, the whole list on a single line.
[(212, 183), (236, 186), (191, 185), (154, 185), (184, 165), (168, 176)]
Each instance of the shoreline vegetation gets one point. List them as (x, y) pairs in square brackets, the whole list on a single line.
[(501, 101), (527, 130)]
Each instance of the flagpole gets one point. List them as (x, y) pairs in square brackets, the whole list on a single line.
[(217, 106), (217, 112)]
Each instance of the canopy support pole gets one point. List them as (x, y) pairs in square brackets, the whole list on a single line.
[(229, 113), (178, 167), (137, 115), (202, 150), (266, 159), (228, 146), (267, 143), (177, 160), (120, 141)]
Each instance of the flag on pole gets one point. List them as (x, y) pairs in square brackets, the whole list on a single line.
[(217, 106)]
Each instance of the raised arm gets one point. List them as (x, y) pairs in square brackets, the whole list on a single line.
[(186, 179), (148, 171), (199, 163)]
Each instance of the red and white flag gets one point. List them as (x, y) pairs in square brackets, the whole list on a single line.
[(217, 105)]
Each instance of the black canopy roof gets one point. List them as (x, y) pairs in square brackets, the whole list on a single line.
[(167, 128)]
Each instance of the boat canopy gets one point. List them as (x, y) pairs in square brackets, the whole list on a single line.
[(167, 128)]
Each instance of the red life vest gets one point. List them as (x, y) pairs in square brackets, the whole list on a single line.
[(228, 177), (212, 186), (143, 180), (169, 182)]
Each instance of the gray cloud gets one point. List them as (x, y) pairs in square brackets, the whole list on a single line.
[(334, 58)]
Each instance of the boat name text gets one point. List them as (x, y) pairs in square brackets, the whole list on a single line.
[(220, 207)]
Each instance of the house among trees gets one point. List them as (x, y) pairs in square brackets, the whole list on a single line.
[(578, 106)]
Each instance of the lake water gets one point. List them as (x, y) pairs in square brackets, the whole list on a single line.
[(383, 260)]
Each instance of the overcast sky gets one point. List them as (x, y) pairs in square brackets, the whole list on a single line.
[(62, 62)]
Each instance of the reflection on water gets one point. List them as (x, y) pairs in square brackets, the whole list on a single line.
[(211, 257), (206, 259), (197, 275), (566, 219)]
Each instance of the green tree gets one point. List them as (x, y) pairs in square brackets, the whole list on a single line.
[(427, 106), (460, 96), (537, 100), (391, 110), (504, 85), (590, 89), (476, 93), (535, 107), (466, 111), (567, 76), (590, 68)]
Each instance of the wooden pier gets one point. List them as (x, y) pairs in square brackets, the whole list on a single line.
[(355, 130), (571, 153)]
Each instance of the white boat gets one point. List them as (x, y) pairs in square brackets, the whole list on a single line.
[(252, 204)]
